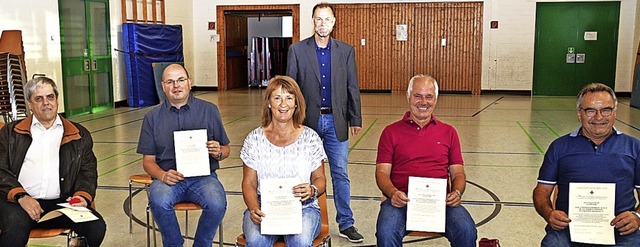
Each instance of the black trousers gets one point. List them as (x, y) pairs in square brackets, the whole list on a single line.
[(15, 224)]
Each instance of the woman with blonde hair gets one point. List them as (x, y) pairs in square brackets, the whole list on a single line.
[(283, 148)]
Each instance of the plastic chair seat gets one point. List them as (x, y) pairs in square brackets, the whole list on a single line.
[(52, 232), (186, 206), (47, 233), (141, 179), (144, 179)]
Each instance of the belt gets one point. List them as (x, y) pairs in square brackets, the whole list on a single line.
[(325, 110)]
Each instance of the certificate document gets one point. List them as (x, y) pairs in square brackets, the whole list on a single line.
[(77, 214), (192, 156), (282, 211), (591, 209), (427, 204)]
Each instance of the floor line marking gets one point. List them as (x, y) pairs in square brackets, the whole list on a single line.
[(104, 116), (114, 126), (120, 167), (235, 120), (487, 106), (363, 134), (109, 157), (630, 126), (530, 138), (551, 129)]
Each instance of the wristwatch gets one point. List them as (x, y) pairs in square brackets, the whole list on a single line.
[(19, 195), (635, 213), (220, 156), (315, 191)]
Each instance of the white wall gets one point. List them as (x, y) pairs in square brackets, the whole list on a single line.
[(181, 12), (507, 57), (263, 27), (119, 74), (628, 39), (40, 36), (507, 51), (40, 25), (204, 70), (205, 10)]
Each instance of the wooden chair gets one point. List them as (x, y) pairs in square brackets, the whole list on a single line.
[(52, 232), (48, 233), (323, 239), (554, 196), (186, 207), (146, 180), (143, 179)]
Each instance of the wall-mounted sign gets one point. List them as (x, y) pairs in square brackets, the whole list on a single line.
[(571, 58), (580, 57), (590, 35), (212, 25), (401, 32)]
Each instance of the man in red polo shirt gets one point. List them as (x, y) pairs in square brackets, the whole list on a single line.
[(420, 145)]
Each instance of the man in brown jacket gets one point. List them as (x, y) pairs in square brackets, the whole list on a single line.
[(45, 159)]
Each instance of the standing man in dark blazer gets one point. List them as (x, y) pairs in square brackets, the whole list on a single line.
[(325, 69)]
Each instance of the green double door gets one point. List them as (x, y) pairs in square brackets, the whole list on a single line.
[(589, 31), (86, 56)]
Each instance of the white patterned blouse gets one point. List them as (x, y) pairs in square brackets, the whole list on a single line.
[(296, 160)]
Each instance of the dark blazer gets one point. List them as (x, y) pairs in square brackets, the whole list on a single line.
[(302, 66)]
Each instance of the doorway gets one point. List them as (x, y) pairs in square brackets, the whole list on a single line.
[(86, 57), (232, 48), (575, 44)]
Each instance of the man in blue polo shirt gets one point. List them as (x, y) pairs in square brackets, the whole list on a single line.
[(182, 111), (594, 153)]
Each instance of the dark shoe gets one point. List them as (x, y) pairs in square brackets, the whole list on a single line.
[(352, 235)]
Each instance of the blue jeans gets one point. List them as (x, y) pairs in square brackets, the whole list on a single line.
[(460, 229), (338, 154), (206, 191), (563, 239), (311, 224)]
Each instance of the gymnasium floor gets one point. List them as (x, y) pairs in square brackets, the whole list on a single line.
[(503, 140)]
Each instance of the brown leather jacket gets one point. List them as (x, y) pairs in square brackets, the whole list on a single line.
[(78, 164)]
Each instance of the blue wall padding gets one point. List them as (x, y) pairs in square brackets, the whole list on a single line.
[(144, 44)]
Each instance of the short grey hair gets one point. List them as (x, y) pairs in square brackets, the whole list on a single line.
[(594, 88), (422, 76), (30, 88)]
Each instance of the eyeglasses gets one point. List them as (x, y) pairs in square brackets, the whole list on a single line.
[(179, 81), (591, 112)]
